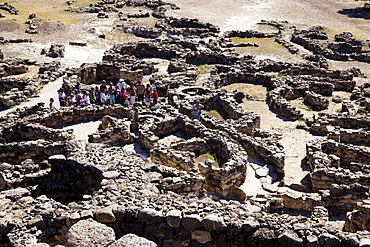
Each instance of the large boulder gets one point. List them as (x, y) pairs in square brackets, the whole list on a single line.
[(289, 238), (263, 237), (56, 50), (131, 240), (87, 233)]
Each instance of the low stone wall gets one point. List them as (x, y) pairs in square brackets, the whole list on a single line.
[(69, 115), (315, 100), (222, 180), (15, 152), (323, 123), (331, 162), (343, 49), (185, 26), (249, 34), (359, 218), (141, 31), (18, 90), (350, 136), (281, 106), (24, 131), (266, 149), (338, 200), (113, 68)]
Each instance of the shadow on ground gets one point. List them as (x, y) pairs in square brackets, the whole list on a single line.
[(356, 13)]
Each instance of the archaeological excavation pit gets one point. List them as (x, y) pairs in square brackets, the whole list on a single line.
[(68, 180)]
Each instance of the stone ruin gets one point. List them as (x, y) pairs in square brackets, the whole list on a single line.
[(188, 190)]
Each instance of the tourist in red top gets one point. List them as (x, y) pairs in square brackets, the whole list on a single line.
[(155, 96)]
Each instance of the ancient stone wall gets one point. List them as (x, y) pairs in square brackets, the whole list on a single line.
[(281, 106)]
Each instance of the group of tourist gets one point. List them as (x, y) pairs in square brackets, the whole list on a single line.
[(122, 93)]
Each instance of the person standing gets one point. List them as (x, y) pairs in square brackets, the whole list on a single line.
[(121, 84), (124, 97), (97, 95), (52, 105), (197, 107), (62, 97), (103, 86), (111, 91), (155, 96), (103, 98), (140, 90), (92, 96), (86, 98), (132, 92), (147, 93)]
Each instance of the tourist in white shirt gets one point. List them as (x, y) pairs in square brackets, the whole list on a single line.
[(103, 97), (86, 99), (121, 84)]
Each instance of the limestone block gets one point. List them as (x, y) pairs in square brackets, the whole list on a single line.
[(365, 242), (201, 236), (132, 240), (327, 239), (105, 215), (149, 215), (213, 222), (250, 224), (191, 222), (87, 233), (173, 218), (289, 239)]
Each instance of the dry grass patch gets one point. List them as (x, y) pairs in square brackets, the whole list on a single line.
[(202, 158), (266, 45), (204, 69), (51, 11), (31, 73), (215, 114), (257, 92), (357, 34)]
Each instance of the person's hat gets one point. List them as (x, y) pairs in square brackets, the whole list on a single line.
[(103, 81), (120, 80), (87, 92)]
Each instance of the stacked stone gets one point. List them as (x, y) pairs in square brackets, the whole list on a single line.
[(344, 48), (123, 191), (18, 90), (335, 163), (181, 155), (186, 26), (24, 131), (266, 149), (358, 219), (113, 132), (281, 106), (142, 31), (113, 68), (317, 101), (38, 150), (10, 8), (324, 123), (68, 115)]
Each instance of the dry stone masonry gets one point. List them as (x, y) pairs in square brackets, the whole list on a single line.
[(191, 184)]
